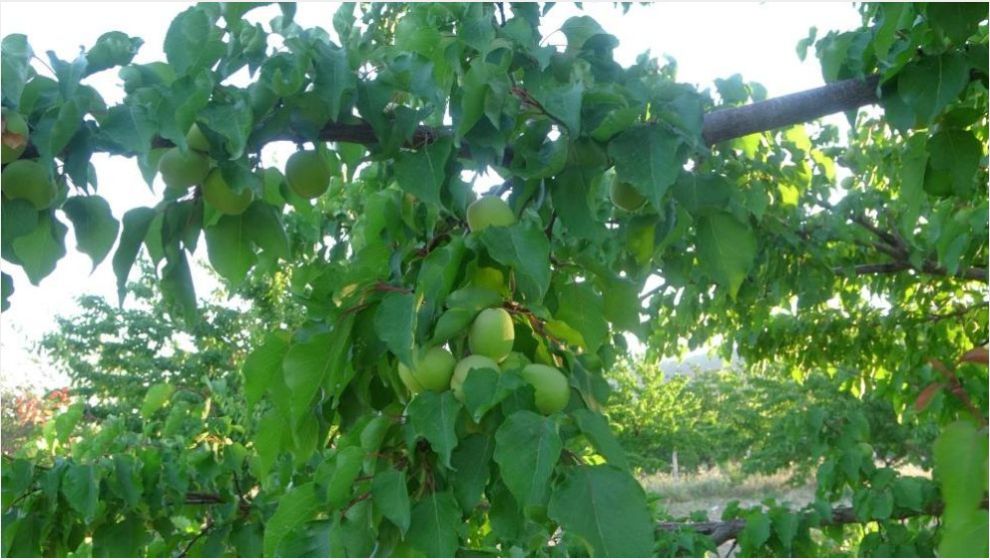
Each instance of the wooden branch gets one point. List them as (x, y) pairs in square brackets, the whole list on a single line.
[(724, 531), (975, 273), (787, 110)]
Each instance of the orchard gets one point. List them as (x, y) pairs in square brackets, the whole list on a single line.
[(427, 367)]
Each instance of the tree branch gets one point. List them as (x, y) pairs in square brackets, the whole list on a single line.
[(787, 110), (724, 531), (976, 273)]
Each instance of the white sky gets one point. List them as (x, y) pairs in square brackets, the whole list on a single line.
[(708, 40)]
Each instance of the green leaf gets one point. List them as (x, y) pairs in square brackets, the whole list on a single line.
[(391, 496), (524, 247), (785, 526), (395, 324), (471, 462), (82, 490), (66, 422), (647, 157), (229, 247), (15, 55), (66, 124), (572, 191), (527, 447), (156, 397), (6, 290), (122, 539), (929, 85), (311, 364), (95, 227), (422, 173), (726, 249), (297, 506), (177, 287), (333, 76), (755, 533), (135, 229), (961, 465), (261, 365), (193, 42), (232, 119), (126, 481), (581, 307), (347, 467), (606, 509), (40, 250), (484, 389), (596, 429), (269, 441), (954, 157), (564, 103), (958, 20), (702, 194), (433, 416), (434, 524), (111, 49)]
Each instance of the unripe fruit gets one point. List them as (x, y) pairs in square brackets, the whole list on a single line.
[(197, 140), (625, 196), (219, 195), (550, 385), (515, 360), (489, 211), (13, 124), (492, 334), (28, 179), (183, 170), (308, 173), (464, 367), (490, 279), (431, 370)]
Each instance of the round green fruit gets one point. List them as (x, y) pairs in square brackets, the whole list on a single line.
[(464, 367), (183, 170), (492, 334), (551, 387), (489, 279), (308, 173), (489, 211), (13, 124), (219, 195), (431, 370), (27, 179), (515, 360), (197, 140), (626, 197)]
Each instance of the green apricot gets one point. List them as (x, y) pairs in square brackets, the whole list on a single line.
[(489, 211), (197, 140), (13, 124), (431, 370), (550, 385), (308, 173), (492, 334), (625, 196), (219, 195), (28, 179), (183, 170), (464, 367)]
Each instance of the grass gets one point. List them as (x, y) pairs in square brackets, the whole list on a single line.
[(710, 490)]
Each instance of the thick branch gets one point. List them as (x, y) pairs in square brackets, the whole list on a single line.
[(724, 531), (972, 273), (787, 110)]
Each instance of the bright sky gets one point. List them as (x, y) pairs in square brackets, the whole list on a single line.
[(708, 40)]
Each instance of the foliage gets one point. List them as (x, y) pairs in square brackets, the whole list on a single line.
[(762, 418), (878, 280)]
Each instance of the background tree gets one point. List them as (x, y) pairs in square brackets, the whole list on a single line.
[(348, 447)]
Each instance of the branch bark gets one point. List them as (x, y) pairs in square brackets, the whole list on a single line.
[(975, 273), (724, 531), (787, 110)]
